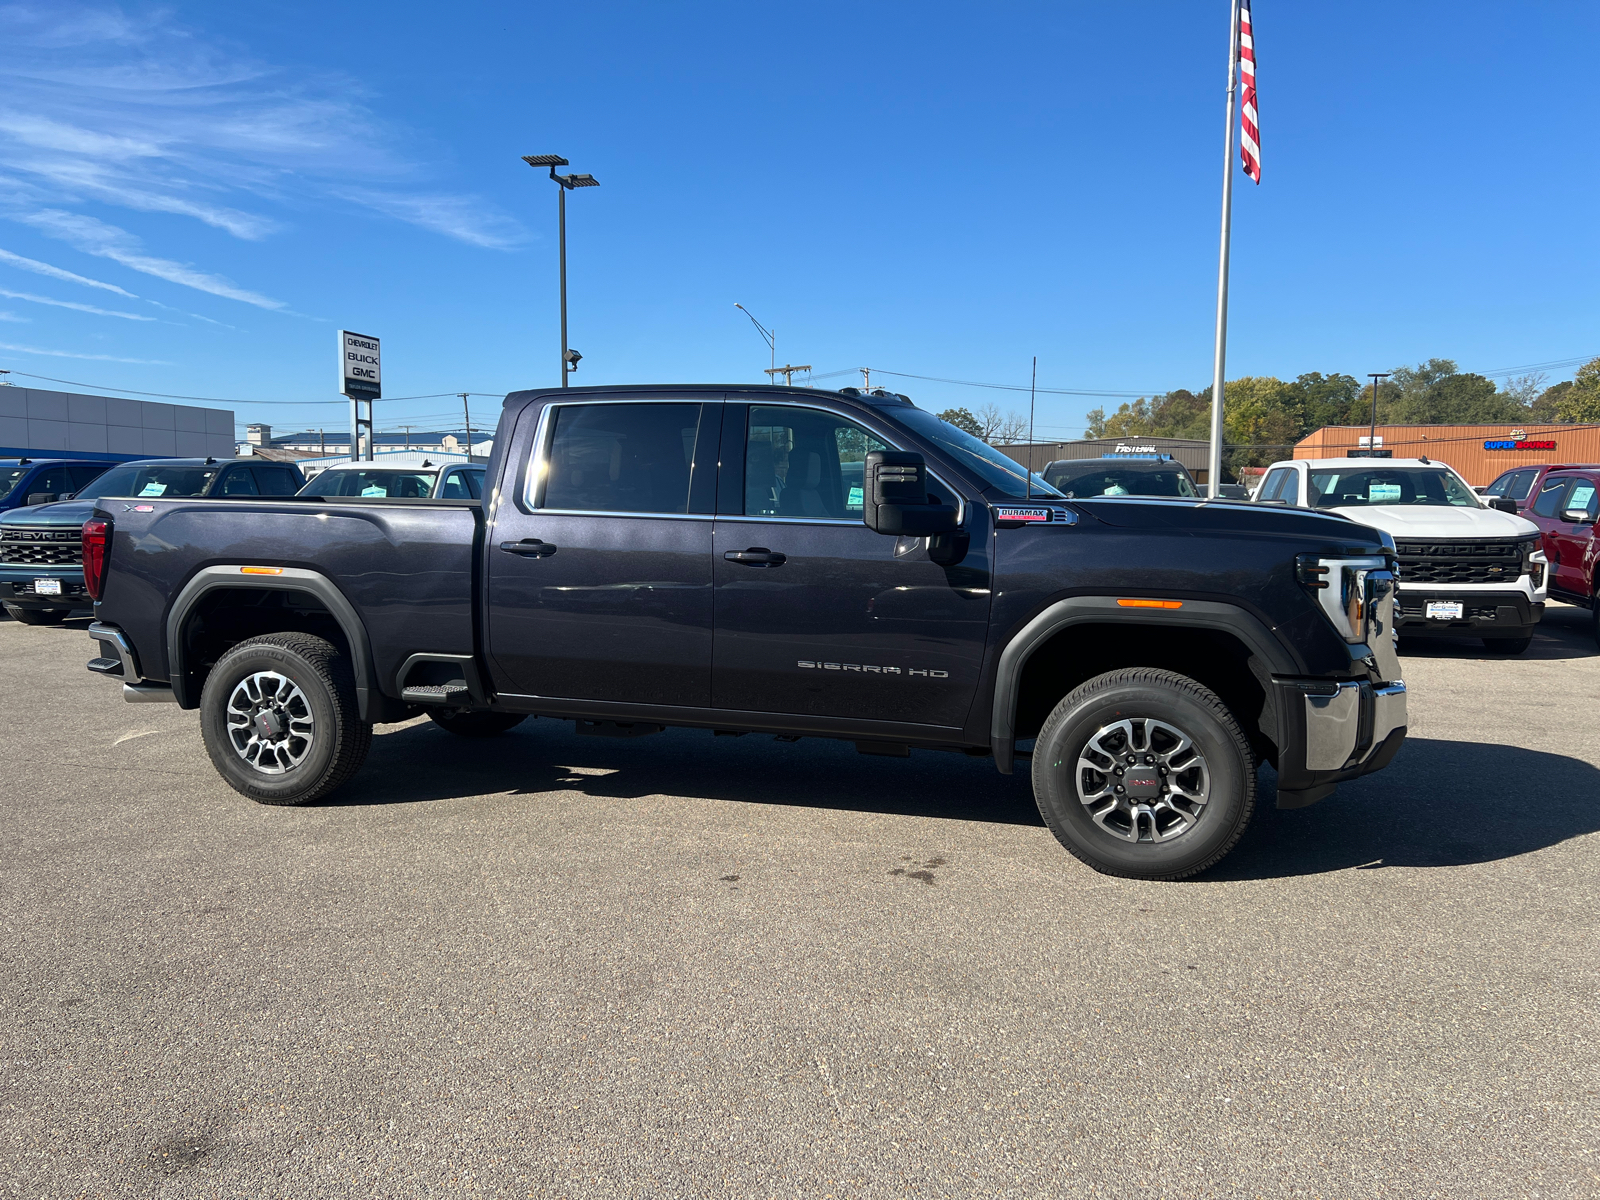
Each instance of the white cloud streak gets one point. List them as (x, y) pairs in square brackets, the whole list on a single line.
[(107, 241), (5, 316), (144, 362), (139, 111), (87, 308), (45, 269)]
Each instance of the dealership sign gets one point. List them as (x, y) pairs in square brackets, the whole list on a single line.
[(360, 366), (1512, 444)]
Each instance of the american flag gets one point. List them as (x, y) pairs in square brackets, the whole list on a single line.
[(1249, 133)]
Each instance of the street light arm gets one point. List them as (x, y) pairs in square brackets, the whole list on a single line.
[(766, 334)]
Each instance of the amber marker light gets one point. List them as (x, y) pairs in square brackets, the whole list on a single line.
[(261, 570), (1150, 603)]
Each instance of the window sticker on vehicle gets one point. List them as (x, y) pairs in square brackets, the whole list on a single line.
[(854, 499), (374, 489), (1383, 493), (153, 489)]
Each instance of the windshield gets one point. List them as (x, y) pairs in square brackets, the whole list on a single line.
[(150, 479), (1369, 486), (9, 478), (376, 484), (1111, 479), (995, 469)]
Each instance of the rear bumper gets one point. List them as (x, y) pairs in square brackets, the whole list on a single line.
[(1330, 731), (1508, 611), (118, 660)]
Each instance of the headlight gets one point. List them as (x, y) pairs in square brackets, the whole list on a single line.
[(1348, 589)]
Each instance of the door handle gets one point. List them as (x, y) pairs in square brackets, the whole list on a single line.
[(757, 556), (529, 548)]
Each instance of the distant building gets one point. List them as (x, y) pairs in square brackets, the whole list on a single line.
[(333, 442), (37, 423), (1478, 452)]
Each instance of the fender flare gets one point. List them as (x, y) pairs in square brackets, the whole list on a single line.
[(1081, 610), (289, 579)]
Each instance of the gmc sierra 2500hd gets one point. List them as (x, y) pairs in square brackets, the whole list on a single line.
[(778, 560)]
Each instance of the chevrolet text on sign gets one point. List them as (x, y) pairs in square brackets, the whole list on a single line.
[(360, 370)]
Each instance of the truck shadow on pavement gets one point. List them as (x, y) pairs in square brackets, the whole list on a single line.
[(1565, 632), (1439, 804)]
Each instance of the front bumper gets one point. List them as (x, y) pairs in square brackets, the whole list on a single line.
[(1510, 611), (1330, 731), (19, 586)]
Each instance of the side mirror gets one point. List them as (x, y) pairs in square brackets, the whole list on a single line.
[(1503, 504), (41, 498), (1578, 516), (896, 497)]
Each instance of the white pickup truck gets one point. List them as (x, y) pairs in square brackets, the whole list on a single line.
[(1468, 568)]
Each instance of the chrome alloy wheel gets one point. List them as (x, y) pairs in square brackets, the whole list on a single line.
[(1143, 780), (270, 722)]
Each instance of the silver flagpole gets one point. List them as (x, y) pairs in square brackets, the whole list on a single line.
[(1219, 361)]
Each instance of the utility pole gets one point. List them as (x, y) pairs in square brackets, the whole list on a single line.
[(468, 415), (322, 436), (787, 372), (407, 428), (866, 378), (1372, 432)]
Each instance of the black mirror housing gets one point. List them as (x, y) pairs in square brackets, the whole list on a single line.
[(896, 499), (1504, 504), (41, 498)]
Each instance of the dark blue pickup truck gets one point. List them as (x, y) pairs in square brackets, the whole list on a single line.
[(786, 561)]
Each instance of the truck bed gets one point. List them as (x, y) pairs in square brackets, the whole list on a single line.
[(407, 566)]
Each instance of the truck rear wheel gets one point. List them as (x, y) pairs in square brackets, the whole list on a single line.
[(476, 724), (1145, 774), (279, 718), (37, 616)]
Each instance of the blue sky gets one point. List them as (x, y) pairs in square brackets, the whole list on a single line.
[(195, 197)]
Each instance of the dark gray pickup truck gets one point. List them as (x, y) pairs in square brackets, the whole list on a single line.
[(785, 561)]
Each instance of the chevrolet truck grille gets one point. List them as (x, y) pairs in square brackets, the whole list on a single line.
[(1459, 562), (41, 547)]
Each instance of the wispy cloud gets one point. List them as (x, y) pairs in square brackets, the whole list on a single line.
[(5, 316), (107, 241), (144, 362), (41, 268), (139, 111), (87, 308), (460, 217)]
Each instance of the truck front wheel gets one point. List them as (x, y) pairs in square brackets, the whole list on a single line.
[(1145, 774), (279, 718)]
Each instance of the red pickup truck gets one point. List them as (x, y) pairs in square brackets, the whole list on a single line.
[(1565, 507)]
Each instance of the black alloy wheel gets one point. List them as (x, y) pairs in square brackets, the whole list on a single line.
[(279, 718), (37, 616), (1145, 774), (476, 724)]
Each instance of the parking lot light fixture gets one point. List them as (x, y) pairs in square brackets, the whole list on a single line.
[(769, 336), (569, 360)]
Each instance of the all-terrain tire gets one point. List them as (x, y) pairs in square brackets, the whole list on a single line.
[(318, 690), (476, 724), (37, 616), (1094, 712), (1507, 645)]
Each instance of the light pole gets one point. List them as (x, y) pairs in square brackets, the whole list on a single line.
[(569, 358), (770, 336), (1372, 432)]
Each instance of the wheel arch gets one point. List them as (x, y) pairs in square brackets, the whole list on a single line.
[(1055, 626), (223, 578)]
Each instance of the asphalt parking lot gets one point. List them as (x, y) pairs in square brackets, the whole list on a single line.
[(556, 966)]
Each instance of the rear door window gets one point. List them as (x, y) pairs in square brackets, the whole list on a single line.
[(622, 458), (276, 481), (455, 487), (239, 482), (86, 473), (1274, 483), (1550, 499), (1521, 483)]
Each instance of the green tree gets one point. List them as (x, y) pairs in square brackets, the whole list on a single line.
[(1544, 410), (963, 420), (1581, 402)]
